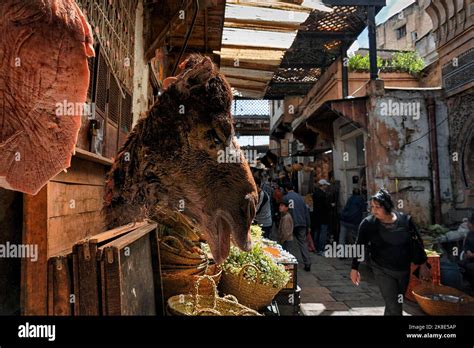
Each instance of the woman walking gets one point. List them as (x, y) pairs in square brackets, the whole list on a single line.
[(394, 244)]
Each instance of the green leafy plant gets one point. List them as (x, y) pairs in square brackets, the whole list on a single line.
[(270, 272), (409, 62)]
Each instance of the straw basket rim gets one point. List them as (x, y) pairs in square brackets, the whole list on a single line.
[(218, 304)]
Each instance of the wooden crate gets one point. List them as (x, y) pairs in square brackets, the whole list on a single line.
[(292, 268), (86, 268), (131, 275), (60, 294)]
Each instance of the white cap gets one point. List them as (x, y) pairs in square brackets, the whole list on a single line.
[(323, 182)]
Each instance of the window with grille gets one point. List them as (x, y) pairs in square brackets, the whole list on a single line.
[(126, 114), (114, 100), (101, 86), (401, 32)]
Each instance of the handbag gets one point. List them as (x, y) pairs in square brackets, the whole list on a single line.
[(417, 249)]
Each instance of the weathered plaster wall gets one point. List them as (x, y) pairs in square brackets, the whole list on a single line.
[(140, 69), (398, 148)]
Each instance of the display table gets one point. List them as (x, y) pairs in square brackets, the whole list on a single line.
[(288, 299)]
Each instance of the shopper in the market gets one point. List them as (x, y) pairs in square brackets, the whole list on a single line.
[(263, 216), (351, 217), (301, 222), (395, 243), (285, 228), (467, 262), (321, 215)]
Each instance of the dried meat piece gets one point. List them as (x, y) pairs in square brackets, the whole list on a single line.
[(44, 78)]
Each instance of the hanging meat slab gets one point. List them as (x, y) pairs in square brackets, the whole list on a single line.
[(44, 78)]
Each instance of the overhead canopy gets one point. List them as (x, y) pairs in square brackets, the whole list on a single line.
[(317, 45), (255, 38), (276, 48)]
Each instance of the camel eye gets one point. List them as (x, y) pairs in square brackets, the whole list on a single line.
[(212, 135)]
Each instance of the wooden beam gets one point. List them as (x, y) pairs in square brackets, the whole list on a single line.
[(253, 79), (355, 2), (278, 5), (247, 93), (245, 64), (261, 25), (160, 37), (244, 85), (245, 52), (257, 75), (34, 275)]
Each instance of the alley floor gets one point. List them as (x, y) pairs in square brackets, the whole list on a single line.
[(328, 290)]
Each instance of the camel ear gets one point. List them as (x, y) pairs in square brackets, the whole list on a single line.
[(198, 75)]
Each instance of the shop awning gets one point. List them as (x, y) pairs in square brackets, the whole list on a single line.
[(316, 131)]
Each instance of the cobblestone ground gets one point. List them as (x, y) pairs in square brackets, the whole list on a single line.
[(328, 290)]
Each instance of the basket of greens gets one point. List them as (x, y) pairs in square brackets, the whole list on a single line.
[(252, 277)]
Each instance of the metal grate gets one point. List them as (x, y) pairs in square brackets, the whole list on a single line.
[(114, 100), (126, 113), (101, 86), (341, 19), (250, 107), (90, 63), (113, 24), (297, 75)]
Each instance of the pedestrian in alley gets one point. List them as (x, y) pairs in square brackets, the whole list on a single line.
[(351, 217), (263, 216), (285, 228), (301, 222), (395, 243), (467, 262), (321, 215)]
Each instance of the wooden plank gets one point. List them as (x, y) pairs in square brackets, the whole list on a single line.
[(246, 64), (280, 5), (83, 172), (251, 94), (69, 199), (247, 73), (116, 232), (128, 274), (65, 231), (263, 14), (247, 84), (93, 157), (86, 254), (256, 54), (59, 286), (34, 280), (257, 38)]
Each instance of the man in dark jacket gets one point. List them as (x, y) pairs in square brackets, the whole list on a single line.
[(467, 262), (321, 214), (351, 216), (301, 222)]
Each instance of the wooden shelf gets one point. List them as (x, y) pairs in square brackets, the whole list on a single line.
[(80, 153)]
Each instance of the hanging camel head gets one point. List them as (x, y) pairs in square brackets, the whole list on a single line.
[(184, 156)]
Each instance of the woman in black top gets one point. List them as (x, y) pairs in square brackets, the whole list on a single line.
[(388, 236)]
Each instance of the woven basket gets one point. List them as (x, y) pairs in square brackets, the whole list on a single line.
[(175, 284), (185, 269), (210, 304), (173, 252), (432, 307), (252, 294)]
